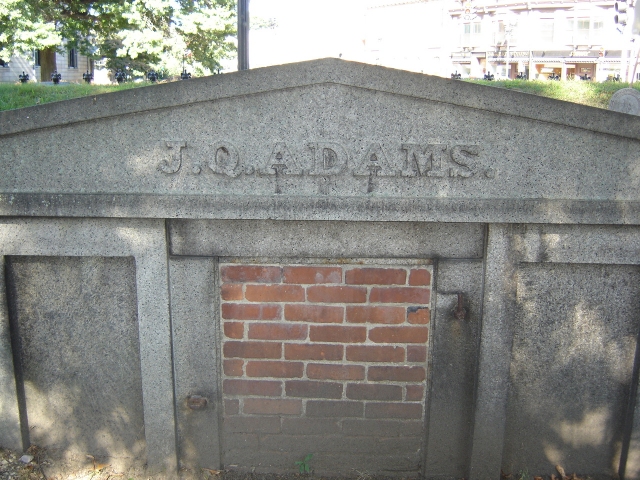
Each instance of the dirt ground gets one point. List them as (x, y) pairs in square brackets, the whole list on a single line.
[(36, 466)]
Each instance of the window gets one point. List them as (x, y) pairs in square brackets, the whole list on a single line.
[(570, 25), (472, 33), (73, 58), (36, 58), (582, 31), (597, 30), (546, 30), (466, 37)]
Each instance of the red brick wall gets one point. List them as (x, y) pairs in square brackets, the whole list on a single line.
[(329, 360)]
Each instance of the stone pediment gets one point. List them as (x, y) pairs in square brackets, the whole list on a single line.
[(326, 139)]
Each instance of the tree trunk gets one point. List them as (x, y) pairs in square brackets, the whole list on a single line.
[(47, 64)]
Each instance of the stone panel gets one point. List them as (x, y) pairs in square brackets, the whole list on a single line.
[(75, 338), (195, 357), (572, 362), (453, 368), (325, 239)]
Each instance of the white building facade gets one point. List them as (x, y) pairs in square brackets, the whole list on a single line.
[(540, 39), (70, 64)]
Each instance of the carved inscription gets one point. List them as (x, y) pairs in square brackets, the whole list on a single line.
[(173, 165), (329, 159), (374, 163), (226, 160), (281, 162)]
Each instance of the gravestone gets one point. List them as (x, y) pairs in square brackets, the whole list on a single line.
[(400, 274), (626, 100)]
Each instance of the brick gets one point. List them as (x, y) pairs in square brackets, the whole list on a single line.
[(250, 273), (244, 441), (280, 461), (275, 369), (420, 277), (317, 426), (231, 291), (320, 408), (231, 407), (233, 368), (310, 389), (381, 428), (314, 313), (376, 276), (375, 314), (405, 445), (400, 295), (252, 350), (415, 393), (310, 275), (405, 465), (399, 334), (294, 351), (416, 353), (234, 329), (335, 333), (374, 353), (251, 425), (277, 331), (365, 391), (328, 294), (272, 406), (243, 311), (262, 388), (324, 371), (393, 410), (396, 374), (274, 293), (418, 315), (322, 444)]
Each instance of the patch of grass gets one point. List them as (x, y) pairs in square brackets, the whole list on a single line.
[(593, 94), (29, 94)]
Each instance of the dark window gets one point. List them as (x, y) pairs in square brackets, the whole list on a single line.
[(36, 58), (73, 58)]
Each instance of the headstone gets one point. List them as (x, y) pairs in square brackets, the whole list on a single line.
[(626, 100)]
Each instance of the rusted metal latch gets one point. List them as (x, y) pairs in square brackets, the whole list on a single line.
[(196, 402), (460, 313)]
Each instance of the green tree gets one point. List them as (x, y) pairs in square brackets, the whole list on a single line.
[(142, 34)]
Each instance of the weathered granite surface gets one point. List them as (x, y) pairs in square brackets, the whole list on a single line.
[(76, 328), (326, 139)]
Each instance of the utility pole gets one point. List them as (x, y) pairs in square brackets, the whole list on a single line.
[(243, 34)]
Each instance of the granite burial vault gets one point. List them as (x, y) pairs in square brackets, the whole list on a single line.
[(399, 274)]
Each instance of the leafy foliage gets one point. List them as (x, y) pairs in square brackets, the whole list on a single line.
[(303, 465), (140, 33)]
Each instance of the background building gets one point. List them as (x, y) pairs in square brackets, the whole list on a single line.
[(70, 64), (539, 39)]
